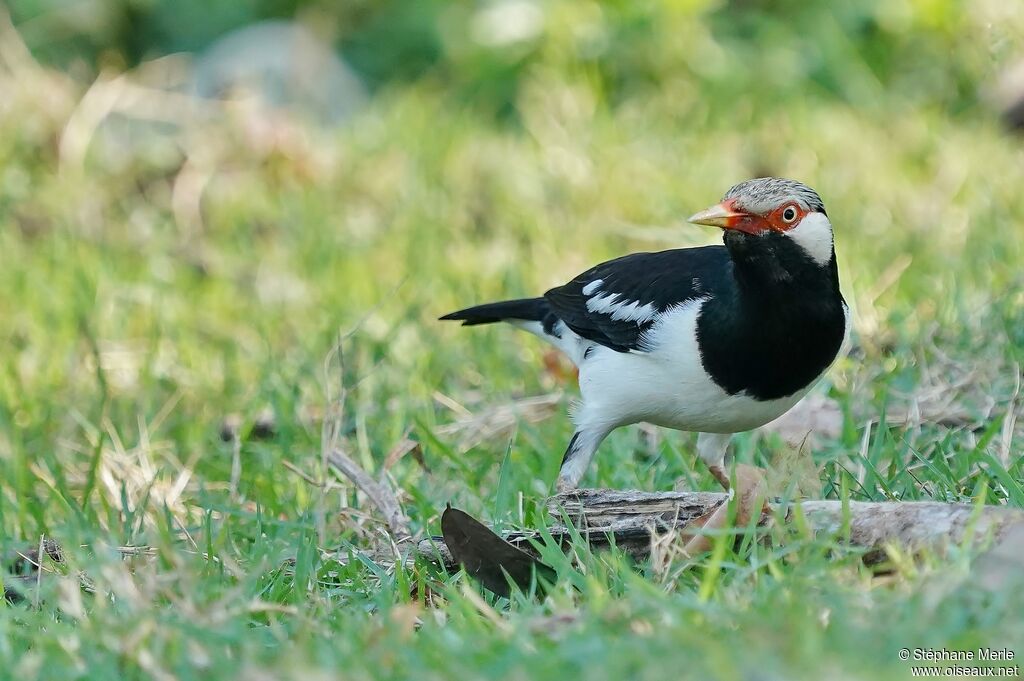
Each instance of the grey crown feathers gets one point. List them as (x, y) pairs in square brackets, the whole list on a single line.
[(764, 193)]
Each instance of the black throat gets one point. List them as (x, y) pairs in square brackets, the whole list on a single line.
[(780, 324)]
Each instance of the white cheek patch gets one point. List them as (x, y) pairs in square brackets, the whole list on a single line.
[(814, 235)]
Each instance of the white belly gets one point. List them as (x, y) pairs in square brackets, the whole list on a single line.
[(668, 386)]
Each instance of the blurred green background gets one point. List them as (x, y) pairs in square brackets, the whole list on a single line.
[(486, 53), (214, 212)]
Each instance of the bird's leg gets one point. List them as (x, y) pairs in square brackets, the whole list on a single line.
[(577, 456), (749, 494), (711, 450)]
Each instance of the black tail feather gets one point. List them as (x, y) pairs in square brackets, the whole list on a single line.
[(529, 309)]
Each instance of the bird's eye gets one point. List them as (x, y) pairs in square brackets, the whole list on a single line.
[(789, 214)]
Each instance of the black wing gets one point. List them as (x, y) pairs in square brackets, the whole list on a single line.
[(615, 302)]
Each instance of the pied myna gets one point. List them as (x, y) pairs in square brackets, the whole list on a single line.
[(716, 340)]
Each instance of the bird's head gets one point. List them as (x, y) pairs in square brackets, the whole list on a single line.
[(769, 207)]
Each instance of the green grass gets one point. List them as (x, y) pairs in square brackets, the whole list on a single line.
[(149, 290)]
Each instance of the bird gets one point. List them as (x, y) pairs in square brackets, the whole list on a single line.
[(716, 340)]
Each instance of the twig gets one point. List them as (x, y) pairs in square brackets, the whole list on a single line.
[(236, 465), (301, 473), (1006, 436), (400, 449), (39, 572), (380, 495)]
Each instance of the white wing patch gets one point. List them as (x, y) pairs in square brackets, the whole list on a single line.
[(592, 286), (621, 310), (675, 329)]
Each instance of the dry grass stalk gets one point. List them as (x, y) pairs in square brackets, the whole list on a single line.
[(500, 420), (379, 494)]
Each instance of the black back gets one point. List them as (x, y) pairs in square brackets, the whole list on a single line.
[(661, 280)]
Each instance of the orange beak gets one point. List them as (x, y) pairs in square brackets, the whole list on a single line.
[(724, 215), (727, 216)]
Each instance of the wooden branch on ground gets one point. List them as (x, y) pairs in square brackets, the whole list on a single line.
[(632, 518)]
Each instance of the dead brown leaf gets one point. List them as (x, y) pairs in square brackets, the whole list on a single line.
[(559, 367), (751, 494)]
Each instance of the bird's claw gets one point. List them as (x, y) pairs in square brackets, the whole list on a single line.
[(720, 475)]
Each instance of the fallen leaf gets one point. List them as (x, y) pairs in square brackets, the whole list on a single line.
[(489, 558), (751, 494)]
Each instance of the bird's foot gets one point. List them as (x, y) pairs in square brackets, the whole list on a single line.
[(718, 471), (563, 486)]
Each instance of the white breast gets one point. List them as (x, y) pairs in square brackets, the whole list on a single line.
[(668, 385)]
